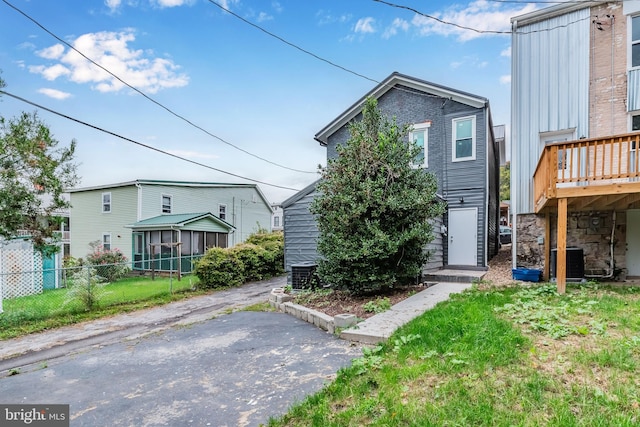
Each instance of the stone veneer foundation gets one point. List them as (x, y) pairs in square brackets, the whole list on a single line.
[(589, 230)]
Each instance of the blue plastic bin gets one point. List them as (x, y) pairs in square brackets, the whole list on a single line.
[(527, 274)]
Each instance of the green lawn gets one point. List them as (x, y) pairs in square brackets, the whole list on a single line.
[(509, 357), (55, 308)]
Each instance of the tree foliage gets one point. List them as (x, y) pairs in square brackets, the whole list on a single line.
[(34, 173), (505, 182), (374, 208)]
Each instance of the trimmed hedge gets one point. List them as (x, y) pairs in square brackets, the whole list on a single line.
[(259, 258)]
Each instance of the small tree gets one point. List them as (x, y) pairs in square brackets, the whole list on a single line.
[(33, 176), (374, 208), (505, 182)]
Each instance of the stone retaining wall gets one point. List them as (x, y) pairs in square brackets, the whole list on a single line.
[(589, 230), (281, 301)]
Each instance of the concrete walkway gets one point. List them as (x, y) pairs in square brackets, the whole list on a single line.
[(379, 328)]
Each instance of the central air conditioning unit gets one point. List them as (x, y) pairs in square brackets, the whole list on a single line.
[(303, 276), (575, 264)]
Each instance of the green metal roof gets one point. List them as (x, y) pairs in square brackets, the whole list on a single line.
[(178, 220)]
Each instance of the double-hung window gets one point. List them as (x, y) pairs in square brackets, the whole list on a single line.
[(222, 212), (419, 135), (464, 139), (635, 41), (166, 204), (106, 241), (106, 202)]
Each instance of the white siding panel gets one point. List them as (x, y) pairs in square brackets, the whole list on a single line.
[(550, 91)]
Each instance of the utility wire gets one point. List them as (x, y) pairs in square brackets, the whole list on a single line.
[(275, 36), (147, 96), (2, 92), (475, 30)]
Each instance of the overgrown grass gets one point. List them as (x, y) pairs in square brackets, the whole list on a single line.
[(53, 308), (495, 358)]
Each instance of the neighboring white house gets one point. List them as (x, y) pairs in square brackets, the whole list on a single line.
[(129, 216), (276, 218)]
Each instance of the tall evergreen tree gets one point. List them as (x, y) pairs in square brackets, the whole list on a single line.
[(374, 208)]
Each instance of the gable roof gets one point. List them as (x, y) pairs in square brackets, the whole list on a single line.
[(300, 194), (175, 184), (388, 84), (178, 221)]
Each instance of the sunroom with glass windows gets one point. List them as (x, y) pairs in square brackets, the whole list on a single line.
[(172, 242)]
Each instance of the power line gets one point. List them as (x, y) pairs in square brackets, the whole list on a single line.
[(475, 30), (275, 36), (2, 92), (453, 24), (147, 96)]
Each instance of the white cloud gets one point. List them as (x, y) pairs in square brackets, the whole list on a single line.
[(172, 3), (365, 25), (227, 3), (392, 30), (505, 80), (263, 16), (481, 15), (112, 51), (277, 6), (506, 52), (113, 5), (54, 93), (326, 17), (50, 73), (51, 52), (193, 154)]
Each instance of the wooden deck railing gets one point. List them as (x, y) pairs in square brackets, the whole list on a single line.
[(585, 162)]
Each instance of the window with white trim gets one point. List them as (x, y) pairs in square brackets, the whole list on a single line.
[(106, 202), (419, 135), (222, 212), (166, 204), (635, 41), (464, 139), (106, 241)]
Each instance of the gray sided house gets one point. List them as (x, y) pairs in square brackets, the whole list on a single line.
[(148, 218), (456, 132)]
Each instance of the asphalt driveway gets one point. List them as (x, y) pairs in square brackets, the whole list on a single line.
[(235, 370)]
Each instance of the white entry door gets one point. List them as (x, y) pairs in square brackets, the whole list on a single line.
[(463, 236), (633, 242)]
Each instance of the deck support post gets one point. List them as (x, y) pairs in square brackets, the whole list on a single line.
[(561, 255), (547, 246)]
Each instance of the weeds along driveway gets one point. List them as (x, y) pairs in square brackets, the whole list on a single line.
[(235, 370)]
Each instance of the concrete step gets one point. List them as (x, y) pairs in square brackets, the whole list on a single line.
[(454, 276)]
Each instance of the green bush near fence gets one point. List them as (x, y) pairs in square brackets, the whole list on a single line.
[(260, 257)]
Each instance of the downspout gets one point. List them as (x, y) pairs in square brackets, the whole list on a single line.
[(611, 263), (514, 152), (488, 132), (139, 210)]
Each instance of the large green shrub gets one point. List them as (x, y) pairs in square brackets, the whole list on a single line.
[(220, 267), (374, 208), (260, 257)]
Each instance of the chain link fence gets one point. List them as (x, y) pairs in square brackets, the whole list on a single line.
[(31, 288)]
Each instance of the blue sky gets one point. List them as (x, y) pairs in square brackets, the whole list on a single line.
[(232, 79)]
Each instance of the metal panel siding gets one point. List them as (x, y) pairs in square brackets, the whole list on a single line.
[(300, 233), (550, 91), (87, 222), (633, 89)]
